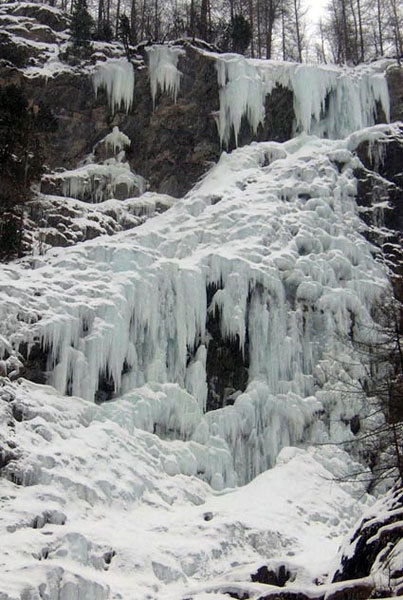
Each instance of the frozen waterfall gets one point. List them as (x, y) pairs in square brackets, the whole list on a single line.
[(276, 266), (329, 101)]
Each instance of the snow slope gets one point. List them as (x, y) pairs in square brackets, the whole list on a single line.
[(97, 516)]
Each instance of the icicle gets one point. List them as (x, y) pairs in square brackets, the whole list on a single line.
[(164, 74), (328, 101), (116, 76), (116, 140)]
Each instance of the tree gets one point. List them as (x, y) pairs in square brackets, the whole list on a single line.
[(81, 25), (240, 33), (125, 34), (395, 21), (380, 352), (271, 13), (20, 163), (293, 30)]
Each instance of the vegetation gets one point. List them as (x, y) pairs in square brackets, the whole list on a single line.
[(378, 437), (81, 25), (20, 162), (351, 31)]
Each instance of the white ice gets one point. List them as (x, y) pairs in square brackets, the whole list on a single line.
[(116, 76), (283, 244), (164, 73), (328, 101)]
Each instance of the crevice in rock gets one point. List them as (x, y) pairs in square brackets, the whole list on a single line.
[(227, 363)]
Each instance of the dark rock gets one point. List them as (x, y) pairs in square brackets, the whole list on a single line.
[(278, 577), (355, 424), (18, 412), (35, 360), (42, 13), (380, 195), (395, 84), (374, 540), (227, 363), (208, 516), (15, 54), (106, 388), (290, 595)]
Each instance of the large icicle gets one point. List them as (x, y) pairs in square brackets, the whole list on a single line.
[(328, 101), (116, 76), (164, 74)]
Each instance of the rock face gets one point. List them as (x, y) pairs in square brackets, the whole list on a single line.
[(173, 143), (377, 544), (380, 193), (395, 84)]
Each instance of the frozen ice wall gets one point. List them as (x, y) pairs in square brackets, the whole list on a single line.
[(294, 280), (328, 101), (116, 76)]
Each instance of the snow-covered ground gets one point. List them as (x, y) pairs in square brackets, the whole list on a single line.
[(95, 515)]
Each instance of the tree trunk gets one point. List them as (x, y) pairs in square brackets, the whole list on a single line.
[(133, 22), (297, 30), (379, 23), (252, 42)]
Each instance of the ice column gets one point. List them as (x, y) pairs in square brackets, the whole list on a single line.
[(164, 74), (116, 76), (328, 101)]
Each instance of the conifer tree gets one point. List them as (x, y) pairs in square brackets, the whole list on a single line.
[(20, 165), (81, 24)]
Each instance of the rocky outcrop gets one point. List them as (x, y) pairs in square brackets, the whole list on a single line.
[(380, 192), (376, 546), (57, 221), (395, 84)]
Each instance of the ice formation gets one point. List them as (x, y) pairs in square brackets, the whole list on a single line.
[(99, 182), (110, 511), (293, 276), (116, 140), (164, 73), (328, 101), (116, 76)]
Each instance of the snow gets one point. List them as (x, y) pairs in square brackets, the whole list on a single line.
[(97, 183), (293, 275), (116, 140), (109, 512), (138, 498)]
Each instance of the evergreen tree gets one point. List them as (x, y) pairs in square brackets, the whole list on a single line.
[(20, 165), (125, 34), (241, 33), (81, 25)]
